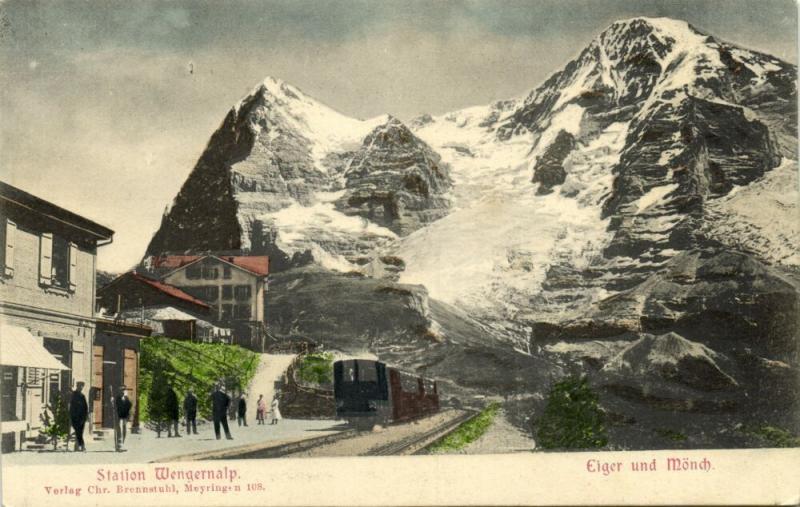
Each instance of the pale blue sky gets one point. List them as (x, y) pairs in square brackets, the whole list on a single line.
[(101, 114)]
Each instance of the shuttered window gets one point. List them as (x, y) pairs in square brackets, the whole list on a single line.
[(9, 239), (73, 266), (45, 258), (58, 262)]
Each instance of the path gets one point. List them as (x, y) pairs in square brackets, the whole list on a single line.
[(501, 437), (271, 368)]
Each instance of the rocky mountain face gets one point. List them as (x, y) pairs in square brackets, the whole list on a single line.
[(395, 180), (285, 175), (634, 218)]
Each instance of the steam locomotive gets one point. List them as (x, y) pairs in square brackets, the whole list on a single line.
[(370, 392)]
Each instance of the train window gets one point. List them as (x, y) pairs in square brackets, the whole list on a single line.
[(367, 371), (349, 368), (409, 383)]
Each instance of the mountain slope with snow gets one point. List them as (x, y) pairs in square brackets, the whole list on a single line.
[(274, 176), (660, 120)]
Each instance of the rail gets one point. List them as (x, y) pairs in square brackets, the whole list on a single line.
[(417, 443)]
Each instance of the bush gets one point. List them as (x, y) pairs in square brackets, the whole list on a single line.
[(316, 368), (56, 420), (572, 418)]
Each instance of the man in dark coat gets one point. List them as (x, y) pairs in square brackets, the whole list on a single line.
[(219, 403), (241, 411), (78, 414), (124, 405), (190, 409), (173, 411)]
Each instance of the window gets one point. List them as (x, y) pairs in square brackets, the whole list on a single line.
[(193, 272), (367, 371), (60, 268), (8, 231), (210, 273), (241, 312), (58, 260), (211, 293), (227, 292), (227, 312), (242, 292), (409, 383), (226, 272)]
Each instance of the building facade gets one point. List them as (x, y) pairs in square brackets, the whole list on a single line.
[(234, 288), (47, 287)]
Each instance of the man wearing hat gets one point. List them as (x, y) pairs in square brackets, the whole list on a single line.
[(220, 402), (124, 405), (78, 414)]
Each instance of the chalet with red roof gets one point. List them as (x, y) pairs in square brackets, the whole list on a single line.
[(234, 288)]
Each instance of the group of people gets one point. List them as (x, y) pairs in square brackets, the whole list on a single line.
[(220, 405), (220, 402)]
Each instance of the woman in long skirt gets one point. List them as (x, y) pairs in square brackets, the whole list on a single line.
[(275, 411), (261, 409)]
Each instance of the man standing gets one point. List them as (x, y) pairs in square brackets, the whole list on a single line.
[(241, 411), (220, 402), (124, 406), (190, 409), (78, 414), (173, 412)]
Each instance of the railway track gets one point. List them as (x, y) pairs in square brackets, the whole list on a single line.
[(416, 443)]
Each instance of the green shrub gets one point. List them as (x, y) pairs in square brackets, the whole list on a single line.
[(56, 420), (158, 418), (468, 432), (572, 418), (316, 368)]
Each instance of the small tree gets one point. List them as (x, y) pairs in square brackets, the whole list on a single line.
[(157, 417), (572, 418), (56, 426), (317, 368)]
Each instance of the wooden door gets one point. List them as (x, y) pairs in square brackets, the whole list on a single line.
[(97, 386), (130, 376)]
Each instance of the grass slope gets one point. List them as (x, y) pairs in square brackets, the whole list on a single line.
[(468, 432), (195, 365)]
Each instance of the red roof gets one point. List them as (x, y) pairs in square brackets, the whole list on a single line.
[(172, 261), (256, 264), (169, 289)]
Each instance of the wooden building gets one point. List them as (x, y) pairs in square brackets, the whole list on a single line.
[(116, 364), (132, 291)]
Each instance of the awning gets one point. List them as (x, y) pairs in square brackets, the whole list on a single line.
[(18, 347)]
